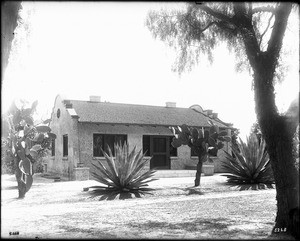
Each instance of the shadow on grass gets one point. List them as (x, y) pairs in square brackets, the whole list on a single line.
[(186, 226), (9, 188), (92, 231), (214, 227)]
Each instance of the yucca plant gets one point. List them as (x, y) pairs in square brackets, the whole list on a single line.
[(251, 167), (124, 175)]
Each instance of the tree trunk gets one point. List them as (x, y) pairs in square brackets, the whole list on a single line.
[(18, 174), (278, 131), (201, 159), (9, 22)]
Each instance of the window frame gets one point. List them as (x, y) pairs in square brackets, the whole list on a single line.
[(147, 145), (104, 137)]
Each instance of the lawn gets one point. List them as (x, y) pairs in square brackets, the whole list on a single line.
[(62, 210)]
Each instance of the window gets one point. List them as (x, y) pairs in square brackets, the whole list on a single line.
[(58, 113), (53, 147), (146, 145), (102, 141), (173, 150), (65, 145), (157, 146)]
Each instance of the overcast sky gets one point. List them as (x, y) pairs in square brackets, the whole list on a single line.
[(78, 49)]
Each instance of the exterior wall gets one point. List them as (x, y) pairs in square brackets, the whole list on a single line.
[(65, 124), (134, 138), (80, 144)]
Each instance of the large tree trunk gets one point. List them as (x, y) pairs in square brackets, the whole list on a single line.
[(9, 22), (278, 131), (201, 159)]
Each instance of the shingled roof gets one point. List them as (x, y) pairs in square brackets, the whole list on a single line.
[(116, 113)]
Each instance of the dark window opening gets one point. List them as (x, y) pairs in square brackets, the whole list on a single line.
[(65, 145), (53, 147), (173, 150), (158, 146), (146, 145), (102, 141)]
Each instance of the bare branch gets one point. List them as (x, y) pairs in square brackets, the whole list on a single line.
[(206, 27), (266, 29), (263, 9), (250, 9), (281, 18), (215, 14)]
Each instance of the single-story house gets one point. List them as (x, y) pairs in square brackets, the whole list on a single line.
[(84, 127)]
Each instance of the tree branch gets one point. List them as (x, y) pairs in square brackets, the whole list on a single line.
[(261, 37), (250, 12), (281, 18), (263, 9), (207, 26), (215, 14)]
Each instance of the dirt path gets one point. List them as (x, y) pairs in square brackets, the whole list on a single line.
[(62, 210)]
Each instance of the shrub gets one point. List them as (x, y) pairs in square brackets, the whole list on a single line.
[(123, 176), (7, 159), (251, 167)]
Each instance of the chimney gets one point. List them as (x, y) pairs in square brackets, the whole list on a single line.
[(68, 104), (214, 115), (170, 104), (207, 112), (95, 98)]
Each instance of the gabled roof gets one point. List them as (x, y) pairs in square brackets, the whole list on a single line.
[(116, 113)]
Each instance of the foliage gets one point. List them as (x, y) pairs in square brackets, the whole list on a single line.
[(234, 137), (194, 29), (255, 129), (251, 167), (255, 31), (123, 176), (203, 141), (25, 142)]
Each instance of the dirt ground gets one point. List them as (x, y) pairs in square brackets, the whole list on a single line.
[(61, 210)]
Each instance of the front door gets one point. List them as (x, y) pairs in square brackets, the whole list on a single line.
[(159, 150)]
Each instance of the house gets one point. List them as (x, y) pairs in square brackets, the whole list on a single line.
[(84, 127)]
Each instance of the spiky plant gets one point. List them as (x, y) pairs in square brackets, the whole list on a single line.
[(124, 175), (251, 167)]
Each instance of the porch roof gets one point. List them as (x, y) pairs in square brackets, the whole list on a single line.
[(129, 114)]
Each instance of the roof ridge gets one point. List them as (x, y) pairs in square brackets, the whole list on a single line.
[(116, 103), (111, 112)]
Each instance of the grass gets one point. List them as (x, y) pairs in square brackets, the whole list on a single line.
[(60, 210)]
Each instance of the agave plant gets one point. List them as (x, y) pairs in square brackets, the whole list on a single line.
[(124, 175), (251, 167)]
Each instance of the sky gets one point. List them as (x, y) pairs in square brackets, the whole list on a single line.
[(78, 49)]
